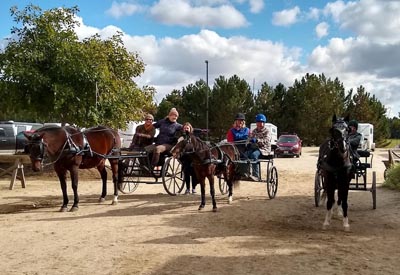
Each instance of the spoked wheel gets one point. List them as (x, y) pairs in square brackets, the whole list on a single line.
[(223, 185), (318, 188), (129, 175), (272, 182), (373, 190), (172, 176)]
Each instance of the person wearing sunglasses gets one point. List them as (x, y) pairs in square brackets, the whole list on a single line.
[(144, 135)]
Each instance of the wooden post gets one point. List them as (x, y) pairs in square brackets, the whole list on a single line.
[(18, 166)]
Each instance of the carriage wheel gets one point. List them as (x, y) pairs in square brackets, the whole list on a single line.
[(129, 172), (373, 190), (223, 185), (172, 176), (272, 182), (318, 187)]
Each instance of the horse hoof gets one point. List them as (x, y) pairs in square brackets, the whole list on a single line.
[(347, 228), (114, 203), (102, 199), (325, 226), (230, 199), (74, 209), (215, 209), (201, 207), (63, 209)]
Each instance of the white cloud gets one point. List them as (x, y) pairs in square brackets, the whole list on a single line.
[(322, 29), (256, 5), (181, 13), (286, 17), (119, 10)]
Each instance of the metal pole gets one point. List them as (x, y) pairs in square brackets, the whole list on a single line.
[(207, 99)]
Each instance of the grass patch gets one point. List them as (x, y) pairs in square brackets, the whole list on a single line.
[(392, 180), (389, 143)]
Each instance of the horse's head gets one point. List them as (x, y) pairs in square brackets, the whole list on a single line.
[(339, 133), (36, 149), (184, 145)]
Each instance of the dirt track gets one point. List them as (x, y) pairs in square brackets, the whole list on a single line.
[(150, 232)]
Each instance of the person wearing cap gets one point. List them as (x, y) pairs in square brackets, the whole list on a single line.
[(354, 139), (239, 133), (166, 138), (259, 144), (144, 134)]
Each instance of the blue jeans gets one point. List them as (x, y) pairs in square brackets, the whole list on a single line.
[(254, 155)]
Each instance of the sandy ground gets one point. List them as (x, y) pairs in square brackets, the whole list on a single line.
[(150, 232)]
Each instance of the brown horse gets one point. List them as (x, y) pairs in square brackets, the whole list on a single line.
[(70, 149), (209, 162)]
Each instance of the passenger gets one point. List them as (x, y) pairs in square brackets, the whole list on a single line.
[(260, 144), (144, 135), (187, 165), (166, 137), (354, 139), (239, 133)]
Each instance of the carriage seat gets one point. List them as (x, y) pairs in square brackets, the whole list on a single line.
[(363, 153), (268, 157)]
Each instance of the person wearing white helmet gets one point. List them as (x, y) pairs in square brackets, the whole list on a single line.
[(259, 144)]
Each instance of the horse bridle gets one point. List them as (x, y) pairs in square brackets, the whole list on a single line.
[(339, 134)]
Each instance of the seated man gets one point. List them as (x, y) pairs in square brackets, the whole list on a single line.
[(144, 135), (166, 138), (354, 139), (260, 144)]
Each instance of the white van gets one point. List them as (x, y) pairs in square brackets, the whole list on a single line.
[(367, 132), (272, 129)]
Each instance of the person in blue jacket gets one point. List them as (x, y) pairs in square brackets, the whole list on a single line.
[(239, 133)]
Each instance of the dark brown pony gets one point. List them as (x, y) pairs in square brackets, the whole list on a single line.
[(70, 149), (335, 164), (209, 162)]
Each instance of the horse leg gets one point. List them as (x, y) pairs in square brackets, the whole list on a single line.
[(343, 193), (63, 183), (230, 176), (114, 169), (74, 181), (329, 205), (203, 193), (212, 192)]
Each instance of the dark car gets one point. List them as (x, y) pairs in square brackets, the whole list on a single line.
[(22, 142), (288, 145)]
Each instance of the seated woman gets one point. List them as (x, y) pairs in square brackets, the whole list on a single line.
[(144, 135), (260, 144), (239, 133)]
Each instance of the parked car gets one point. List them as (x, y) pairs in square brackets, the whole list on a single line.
[(288, 145), (12, 139)]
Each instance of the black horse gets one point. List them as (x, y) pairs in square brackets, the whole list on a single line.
[(336, 167), (209, 162)]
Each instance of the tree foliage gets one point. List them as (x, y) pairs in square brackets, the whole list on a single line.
[(306, 107), (51, 75)]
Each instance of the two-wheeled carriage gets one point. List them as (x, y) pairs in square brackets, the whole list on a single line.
[(134, 168), (358, 183), (264, 162)]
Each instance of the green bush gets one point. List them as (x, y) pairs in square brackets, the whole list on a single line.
[(393, 178)]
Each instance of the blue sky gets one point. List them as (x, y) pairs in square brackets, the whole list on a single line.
[(259, 40)]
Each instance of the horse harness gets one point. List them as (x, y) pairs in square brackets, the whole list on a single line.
[(69, 147)]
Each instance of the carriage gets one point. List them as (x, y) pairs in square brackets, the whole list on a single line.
[(134, 168), (358, 183), (270, 179)]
